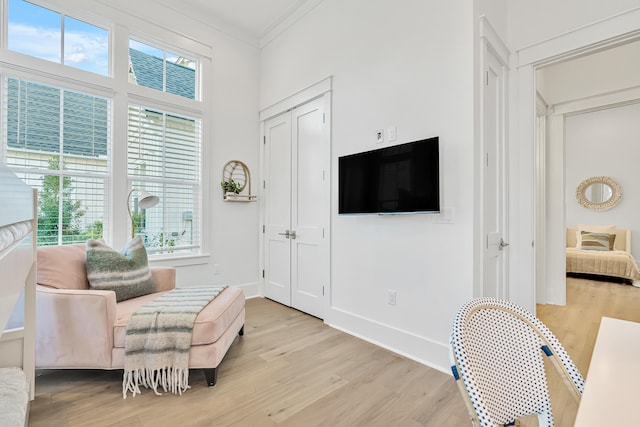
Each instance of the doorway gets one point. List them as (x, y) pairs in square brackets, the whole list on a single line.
[(296, 192), (606, 33), (609, 83)]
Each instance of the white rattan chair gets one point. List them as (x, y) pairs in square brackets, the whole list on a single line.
[(497, 361)]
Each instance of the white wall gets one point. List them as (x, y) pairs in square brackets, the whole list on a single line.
[(531, 22), (409, 67), (605, 142), (236, 136), (495, 12)]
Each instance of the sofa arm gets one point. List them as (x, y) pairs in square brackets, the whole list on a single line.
[(74, 327), (164, 278)]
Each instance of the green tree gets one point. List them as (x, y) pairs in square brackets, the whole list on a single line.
[(93, 231), (49, 199)]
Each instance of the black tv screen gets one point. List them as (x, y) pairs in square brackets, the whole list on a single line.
[(399, 179)]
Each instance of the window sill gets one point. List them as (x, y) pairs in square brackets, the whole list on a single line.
[(171, 260)]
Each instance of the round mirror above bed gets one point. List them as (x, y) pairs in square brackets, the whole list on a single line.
[(599, 193)]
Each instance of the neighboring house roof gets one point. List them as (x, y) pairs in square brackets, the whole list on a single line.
[(33, 119), (147, 71)]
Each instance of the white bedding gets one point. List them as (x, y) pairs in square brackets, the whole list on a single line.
[(13, 233), (603, 263)]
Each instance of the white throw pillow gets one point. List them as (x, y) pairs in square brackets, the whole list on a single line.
[(610, 229)]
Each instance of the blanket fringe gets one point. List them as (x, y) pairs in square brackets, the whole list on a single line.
[(170, 379)]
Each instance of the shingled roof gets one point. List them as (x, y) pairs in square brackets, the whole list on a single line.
[(85, 117), (147, 71)]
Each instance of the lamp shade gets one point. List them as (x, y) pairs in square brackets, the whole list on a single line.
[(147, 200)]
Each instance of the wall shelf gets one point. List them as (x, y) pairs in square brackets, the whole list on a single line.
[(233, 197), (237, 173)]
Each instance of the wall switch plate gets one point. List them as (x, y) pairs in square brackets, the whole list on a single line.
[(379, 136), (392, 133), (216, 269), (391, 297)]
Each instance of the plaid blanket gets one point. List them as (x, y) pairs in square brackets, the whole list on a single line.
[(158, 339)]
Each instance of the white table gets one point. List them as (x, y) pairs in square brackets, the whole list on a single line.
[(611, 391)]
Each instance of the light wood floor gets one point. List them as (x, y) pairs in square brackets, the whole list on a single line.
[(289, 369), (292, 370), (576, 326)]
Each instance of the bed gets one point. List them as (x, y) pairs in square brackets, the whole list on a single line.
[(617, 263), (18, 224)]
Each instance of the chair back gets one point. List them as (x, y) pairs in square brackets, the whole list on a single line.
[(497, 353)]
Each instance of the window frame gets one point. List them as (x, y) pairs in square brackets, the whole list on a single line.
[(116, 87)]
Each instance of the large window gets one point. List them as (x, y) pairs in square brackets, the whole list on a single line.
[(164, 160), (57, 140), (60, 135)]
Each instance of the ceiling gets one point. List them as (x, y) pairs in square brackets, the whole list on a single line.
[(254, 18)]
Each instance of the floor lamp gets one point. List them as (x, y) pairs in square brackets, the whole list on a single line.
[(146, 200)]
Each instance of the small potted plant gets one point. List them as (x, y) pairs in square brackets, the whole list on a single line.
[(230, 187)]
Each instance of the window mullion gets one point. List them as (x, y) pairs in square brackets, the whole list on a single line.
[(61, 178), (62, 39)]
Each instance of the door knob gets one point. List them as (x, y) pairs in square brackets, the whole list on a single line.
[(502, 244), (292, 234), (285, 234)]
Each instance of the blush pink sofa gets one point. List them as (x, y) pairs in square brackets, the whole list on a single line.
[(78, 327)]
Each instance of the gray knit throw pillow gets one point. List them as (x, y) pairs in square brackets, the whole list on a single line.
[(126, 272)]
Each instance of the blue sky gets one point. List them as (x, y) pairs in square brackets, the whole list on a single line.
[(36, 31)]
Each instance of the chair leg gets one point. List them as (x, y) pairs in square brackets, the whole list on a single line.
[(241, 333), (211, 374)]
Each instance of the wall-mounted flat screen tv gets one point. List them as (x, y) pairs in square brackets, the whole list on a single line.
[(402, 178)]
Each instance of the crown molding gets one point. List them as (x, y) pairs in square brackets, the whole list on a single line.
[(287, 21)]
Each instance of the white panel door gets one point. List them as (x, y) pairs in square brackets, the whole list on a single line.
[(278, 209), (308, 209), (297, 208), (494, 188)]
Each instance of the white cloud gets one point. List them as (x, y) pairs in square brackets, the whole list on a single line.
[(82, 50), (80, 47), (38, 42)]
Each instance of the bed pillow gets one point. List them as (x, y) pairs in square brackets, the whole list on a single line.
[(126, 272), (609, 229), (597, 241)]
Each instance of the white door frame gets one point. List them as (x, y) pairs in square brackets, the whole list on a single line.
[(524, 216), (323, 89), (491, 46)]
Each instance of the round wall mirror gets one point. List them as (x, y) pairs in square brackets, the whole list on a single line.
[(599, 193)]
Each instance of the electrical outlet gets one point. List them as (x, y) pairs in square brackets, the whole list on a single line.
[(391, 297), (447, 216), (380, 136)]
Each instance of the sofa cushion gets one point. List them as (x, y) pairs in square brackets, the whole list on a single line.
[(126, 272), (62, 267), (210, 324)]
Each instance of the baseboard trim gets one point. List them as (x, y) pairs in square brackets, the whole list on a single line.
[(412, 346), (251, 290)]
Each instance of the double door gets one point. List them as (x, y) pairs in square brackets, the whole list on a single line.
[(296, 189)]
